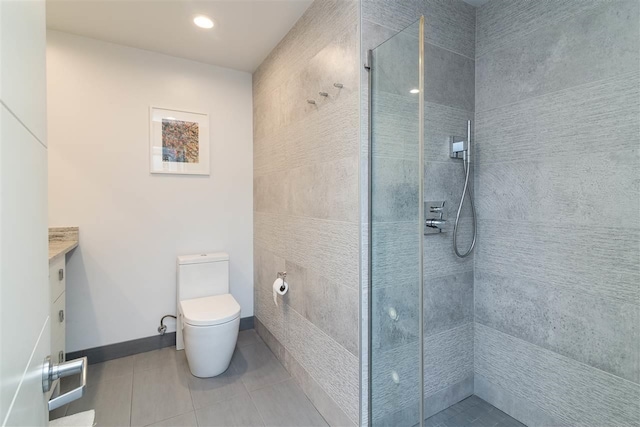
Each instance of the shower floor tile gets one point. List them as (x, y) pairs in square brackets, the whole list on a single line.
[(472, 412)]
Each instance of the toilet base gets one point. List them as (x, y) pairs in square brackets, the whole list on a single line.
[(209, 349)]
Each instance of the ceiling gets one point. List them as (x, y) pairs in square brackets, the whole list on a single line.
[(245, 31)]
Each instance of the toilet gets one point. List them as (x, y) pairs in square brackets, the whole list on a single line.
[(208, 315)]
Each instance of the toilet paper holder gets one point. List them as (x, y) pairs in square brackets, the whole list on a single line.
[(282, 275)]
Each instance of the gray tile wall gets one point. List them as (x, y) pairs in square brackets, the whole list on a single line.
[(448, 281), (557, 279), (306, 204)]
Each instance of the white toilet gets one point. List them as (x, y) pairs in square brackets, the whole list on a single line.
[(208, 315)]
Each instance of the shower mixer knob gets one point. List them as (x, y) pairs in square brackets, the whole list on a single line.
[(436, 223)]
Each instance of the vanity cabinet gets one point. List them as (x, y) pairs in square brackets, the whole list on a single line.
[(57, 270), (62, 240), (57, 283)]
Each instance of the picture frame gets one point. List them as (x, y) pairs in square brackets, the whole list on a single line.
[(178, 142)]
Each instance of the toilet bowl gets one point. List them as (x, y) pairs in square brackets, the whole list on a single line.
[(210, 328), (208, 315)]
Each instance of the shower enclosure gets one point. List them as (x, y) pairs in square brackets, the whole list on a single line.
[(396, 81), (538, 323), (421, 338)]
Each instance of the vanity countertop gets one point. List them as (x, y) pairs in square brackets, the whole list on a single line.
[(62, 240), (60, 248)]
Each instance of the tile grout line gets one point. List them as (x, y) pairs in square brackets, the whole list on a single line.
[(412, 343), (253, 402), (584, 365), (191, 394), (563, 288), (613, 77), (131, 401), (319, 329), (269, 385), (163, 366), (133, 373)]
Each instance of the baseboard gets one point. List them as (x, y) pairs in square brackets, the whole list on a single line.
[(123, 349), (140, 345), (246, 323)]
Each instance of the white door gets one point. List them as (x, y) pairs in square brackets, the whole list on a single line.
[(24, 289)]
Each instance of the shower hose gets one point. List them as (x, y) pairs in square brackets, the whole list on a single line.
[(466, 190)]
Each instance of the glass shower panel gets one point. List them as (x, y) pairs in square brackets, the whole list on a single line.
[(396, 147)]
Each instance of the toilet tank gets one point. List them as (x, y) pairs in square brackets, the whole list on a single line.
[(202, 275)]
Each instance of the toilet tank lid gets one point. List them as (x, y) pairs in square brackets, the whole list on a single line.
[(202, 258)]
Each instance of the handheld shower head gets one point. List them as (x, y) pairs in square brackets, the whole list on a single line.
[(461, 148)]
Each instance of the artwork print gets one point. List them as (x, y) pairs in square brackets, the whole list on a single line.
[(180, 141)]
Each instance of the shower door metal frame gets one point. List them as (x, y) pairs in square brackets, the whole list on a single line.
[(421, 213), (369, 67)]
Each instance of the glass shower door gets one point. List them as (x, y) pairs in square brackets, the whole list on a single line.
[(396, 227)]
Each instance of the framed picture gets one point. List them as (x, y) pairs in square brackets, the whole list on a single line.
[(179, 142)]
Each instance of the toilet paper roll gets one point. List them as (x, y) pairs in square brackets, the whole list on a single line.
[(280, 287)]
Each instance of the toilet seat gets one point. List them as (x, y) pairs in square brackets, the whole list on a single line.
[(210, 311)]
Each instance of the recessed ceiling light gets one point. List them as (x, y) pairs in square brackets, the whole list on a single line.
[(203, 22), (414, 91)]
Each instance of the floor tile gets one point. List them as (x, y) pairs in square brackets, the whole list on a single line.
[(185, 420), (489, 419), (159, 394), (111, 400), (110, 369), (284, 404), (510, 423), (432, 423), (438, 418), (207, 391), (476, 411), (475, 400), (472, 412), (248, 337), (257, 366), (154, 359), (239, 411), (157, 389), (480, 422)]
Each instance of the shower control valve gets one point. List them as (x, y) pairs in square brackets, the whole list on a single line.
[(436, 223), (434, 217)]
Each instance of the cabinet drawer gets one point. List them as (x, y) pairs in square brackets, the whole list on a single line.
[(57, 273), (58, 324)]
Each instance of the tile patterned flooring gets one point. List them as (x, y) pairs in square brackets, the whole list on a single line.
[(472, 412), (157, 389)]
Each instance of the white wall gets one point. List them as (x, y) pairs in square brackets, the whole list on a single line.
[(133, 224)]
